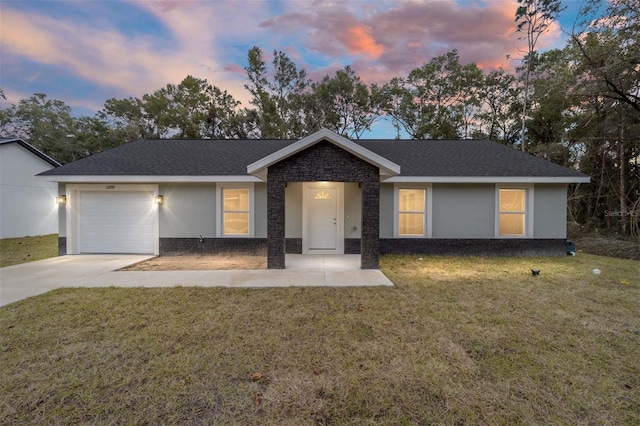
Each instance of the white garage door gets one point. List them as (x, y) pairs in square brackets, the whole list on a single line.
[(117, 222)]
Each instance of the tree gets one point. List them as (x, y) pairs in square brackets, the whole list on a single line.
[(553, 103), (607, 49), (191, 110), (498, 116), (47, 125), (431, 101), (127, 117), (533, 17), (277, 97), (7, 118), (348, 106)]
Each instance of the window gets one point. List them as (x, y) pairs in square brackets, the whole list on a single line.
[(236, 220), (411, 212), (512, 212)]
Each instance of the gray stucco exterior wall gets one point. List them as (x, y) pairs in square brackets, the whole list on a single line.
[(386, 210), (62, 213), (550, 211), (260, 210), (293, 210), (463, 211), (189, 210), (352, 210)]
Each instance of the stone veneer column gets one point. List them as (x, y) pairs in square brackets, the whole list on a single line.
[(275, 224), (370, 250)]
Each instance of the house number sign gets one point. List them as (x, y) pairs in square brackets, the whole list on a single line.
[(110, 187)]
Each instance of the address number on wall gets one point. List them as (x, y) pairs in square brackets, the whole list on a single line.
[(110, 187)]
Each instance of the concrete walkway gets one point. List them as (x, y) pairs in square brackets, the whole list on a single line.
[(30, 279)]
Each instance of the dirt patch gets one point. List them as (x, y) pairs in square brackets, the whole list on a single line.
[(199, 263), (612, 247)]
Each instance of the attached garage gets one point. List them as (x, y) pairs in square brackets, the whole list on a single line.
[(112, 219)]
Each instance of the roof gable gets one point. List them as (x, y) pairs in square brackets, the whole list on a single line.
[(387, 168), (30, 148)]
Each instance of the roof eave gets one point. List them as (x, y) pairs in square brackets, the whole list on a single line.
[(145, 178), (490, 179)]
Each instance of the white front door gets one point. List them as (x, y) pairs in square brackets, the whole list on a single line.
[(323, 224)]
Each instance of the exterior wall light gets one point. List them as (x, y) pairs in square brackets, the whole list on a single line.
[(61, 199), (159, 200)]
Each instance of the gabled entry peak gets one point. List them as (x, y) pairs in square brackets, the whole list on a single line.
[(387, 168)]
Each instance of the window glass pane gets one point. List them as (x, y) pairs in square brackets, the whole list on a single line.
[(512, 200), (236, 224), (512, 224), (322, 195), (411, 200), (411, 224), (236, 199)]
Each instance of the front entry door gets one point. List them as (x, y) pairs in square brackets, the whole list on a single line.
[(323, 219)]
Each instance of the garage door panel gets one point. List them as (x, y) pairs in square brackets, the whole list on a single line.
[(117, 222)]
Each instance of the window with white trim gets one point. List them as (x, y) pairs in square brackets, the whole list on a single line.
[(412, 204), (236, 211), (512, 212)]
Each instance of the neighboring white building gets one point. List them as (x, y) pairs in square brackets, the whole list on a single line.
[(27, 204)]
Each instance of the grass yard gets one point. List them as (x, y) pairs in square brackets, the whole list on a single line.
[(27, 249), (457, 341)]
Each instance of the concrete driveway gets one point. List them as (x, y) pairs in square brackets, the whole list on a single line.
[(31, 279), (18, 282)]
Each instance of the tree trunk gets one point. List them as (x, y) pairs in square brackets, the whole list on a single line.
[(623, 179), (524, 104)]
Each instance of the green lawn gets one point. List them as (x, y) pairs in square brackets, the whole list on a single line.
[(27, 249), (457, 341)]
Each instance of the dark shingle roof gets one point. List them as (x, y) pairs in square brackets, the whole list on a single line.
[(174, 158), (31, 148), (445, 158), (463, 158)]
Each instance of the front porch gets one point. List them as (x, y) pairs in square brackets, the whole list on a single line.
[(323, 157)]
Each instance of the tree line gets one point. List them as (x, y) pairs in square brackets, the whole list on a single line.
[(578, 106)]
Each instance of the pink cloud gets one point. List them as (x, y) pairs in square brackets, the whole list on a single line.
[(394, 40), (234, 68), (359, 40)]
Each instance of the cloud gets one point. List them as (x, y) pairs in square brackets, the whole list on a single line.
[(392, 38), (163, 41), (132, 63), (359, 40), (102, 56)]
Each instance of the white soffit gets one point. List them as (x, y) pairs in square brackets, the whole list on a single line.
[(387, 168)]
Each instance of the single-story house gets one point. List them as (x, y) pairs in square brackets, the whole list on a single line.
[(27, 204), (320, 194)]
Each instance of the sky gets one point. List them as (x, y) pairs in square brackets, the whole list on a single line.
[(84, 52)]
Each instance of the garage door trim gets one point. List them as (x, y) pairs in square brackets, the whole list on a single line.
[(73, 193)]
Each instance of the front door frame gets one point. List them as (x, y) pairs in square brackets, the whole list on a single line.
[(306, 223)]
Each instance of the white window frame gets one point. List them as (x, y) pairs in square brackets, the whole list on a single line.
[(220, 187), (528, 210), (428, 213)]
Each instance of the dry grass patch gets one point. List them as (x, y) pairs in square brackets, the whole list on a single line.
[(609, 246), (457, 341), (27, 249), (197, 263)]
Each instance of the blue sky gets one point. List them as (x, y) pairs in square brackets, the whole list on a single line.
[(87, 51)]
